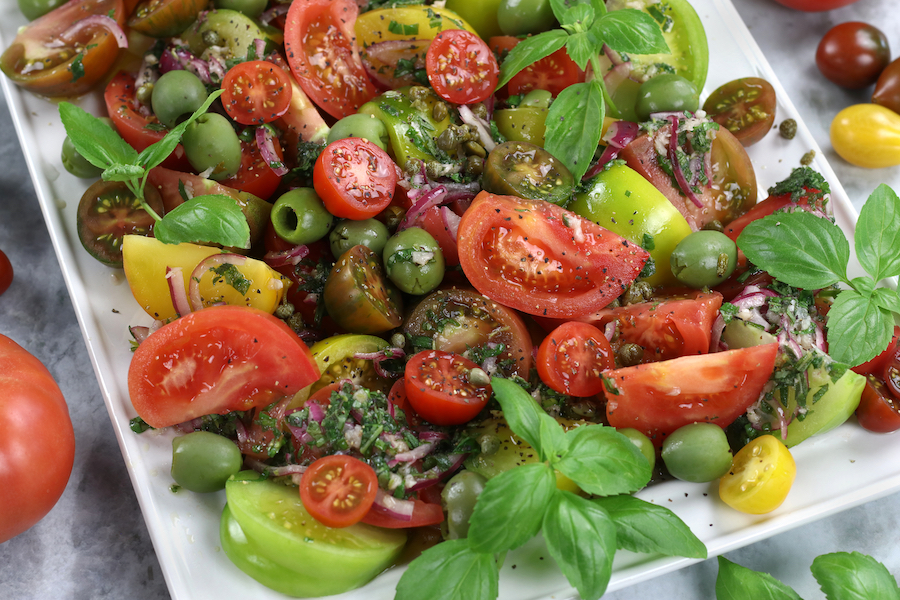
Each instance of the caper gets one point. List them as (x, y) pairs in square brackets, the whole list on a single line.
[(448, 141), (640, 291), (474, 165), (479, 110), (418, 92), (211, 38), (788, 129), (440, 111), (629, 354), (474, 148), (144, 93)]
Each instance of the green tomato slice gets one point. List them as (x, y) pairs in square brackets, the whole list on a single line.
[(268, 534), (335, 358), (684, 33), (831, 409)]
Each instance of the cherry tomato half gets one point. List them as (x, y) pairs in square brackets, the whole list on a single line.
[(338, 490), (359, 296), (256, 92), (440, 390), (892, 374), (165, 18), (746, 107), (879, 409), (853, 54), (571, 359), (461, 67), (761, 476), (553, 73), (355, 178)]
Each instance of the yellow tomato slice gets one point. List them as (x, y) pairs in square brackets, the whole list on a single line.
[(406, 23), (760, 477), (145, 261)]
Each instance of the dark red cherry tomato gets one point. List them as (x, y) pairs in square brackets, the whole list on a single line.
[(878, 409), (887, 88), (746, 107), (853, 54)]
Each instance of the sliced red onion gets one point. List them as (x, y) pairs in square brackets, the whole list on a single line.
[(417, 453), (432, 197), (433, 436), (398, 509), (205, 265), (715, 339), (378, 357), (481, 126), (261, 467), (216, 67), (820, 339), (610, 330), (139, 332), (618, 135), (260, 47), (291, 256), (101, 21), (184, 59), (241, 431), (614, 57), (273, 13), (676, 166), (451, 221), (266, 144), (175, 281)]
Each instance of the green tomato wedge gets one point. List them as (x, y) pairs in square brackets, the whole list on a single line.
[(268, 534), (833, 408), (621, 200), (684, 33)]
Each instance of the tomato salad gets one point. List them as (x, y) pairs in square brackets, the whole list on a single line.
[(419, 223)]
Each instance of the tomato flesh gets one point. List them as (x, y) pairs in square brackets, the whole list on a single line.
[(214, 361), (461, 67), (571, 359), (338, 489), (879, 408), (658, 398), (541, 259), (355, 178), (440, 390), (746, 107), (256, 92)]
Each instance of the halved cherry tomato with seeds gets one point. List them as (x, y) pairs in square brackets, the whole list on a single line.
[(443, 389), (746, 107), (256, 92), (571, 359), (355, 178), (338, 490), (461, 67), (165, 18)]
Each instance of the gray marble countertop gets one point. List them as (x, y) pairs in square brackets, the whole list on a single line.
[(94, 543)]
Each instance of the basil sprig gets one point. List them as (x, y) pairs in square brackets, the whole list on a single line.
[(582, 534), (213, 218), (810, 252), (575, 118)]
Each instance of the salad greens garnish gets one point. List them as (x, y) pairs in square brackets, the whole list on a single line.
[(575, 118), (582, 533), (841, 575), (213, 218), (806, 251)]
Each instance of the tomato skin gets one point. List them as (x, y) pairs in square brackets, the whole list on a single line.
[(359, 296), (761, 476), (439, 389), (746, 107), (867, 135), (32, 475), (553, 73), (164, 18), (853, 54), (461, 67), (355, 178), (814, 5), (877, 365), (256, 92), (571, 358), (541, 259), (6, 272), (424, 514), (60, 76), (338, 490), (879, 409), (714, 388), (255, 176), (214, 361), (887, 88), (891, 373), (322, 53)]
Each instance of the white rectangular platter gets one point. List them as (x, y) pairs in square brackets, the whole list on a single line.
[(836, 471)]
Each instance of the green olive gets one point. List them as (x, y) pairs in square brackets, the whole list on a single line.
[(251, 8), (522, 124), (371, 233), (704, 258), (360, 125), (413, 261), (210, 142), (76, 164), (202, 461), (666, 92), (176, 95), (698, 452), (537, 99), (300, 217), (32, 9), (459, 497), (521, 17)]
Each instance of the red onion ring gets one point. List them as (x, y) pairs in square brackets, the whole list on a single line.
[(177, 292), (266, 144), (401, 510), (432, 197), (102, 21), (205, 265)]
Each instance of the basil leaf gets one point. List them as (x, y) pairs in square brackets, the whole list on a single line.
[(95, 139), (735, 582), (602, 461), (581, 48), (575, 122), (853, 575), (577, 18), (646, 527), (858, 329), (450, 571), (511, 507), (798, 248), (213, 219), (631, 31), (878, 234), (887, 299), (154, 154), (522, 413), (582, 539), (122, 172), (529, 51)]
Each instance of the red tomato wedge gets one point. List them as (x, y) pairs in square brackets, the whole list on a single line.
[(572, 357), (256, 92), (321, 50), (541, 259), (338, 490), (461, 67), (658, 398), (214, 361)]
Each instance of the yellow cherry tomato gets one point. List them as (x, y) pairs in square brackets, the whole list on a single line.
[(867, 135), (416, 22), (760, 477)]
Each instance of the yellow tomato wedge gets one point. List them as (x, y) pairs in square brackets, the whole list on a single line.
[(146, 260), (761, 476), (417, 22)]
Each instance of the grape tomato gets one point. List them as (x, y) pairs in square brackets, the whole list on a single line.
[(853, 54)]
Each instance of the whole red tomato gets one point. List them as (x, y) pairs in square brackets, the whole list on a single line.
[(814, 5), (37, 447)]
